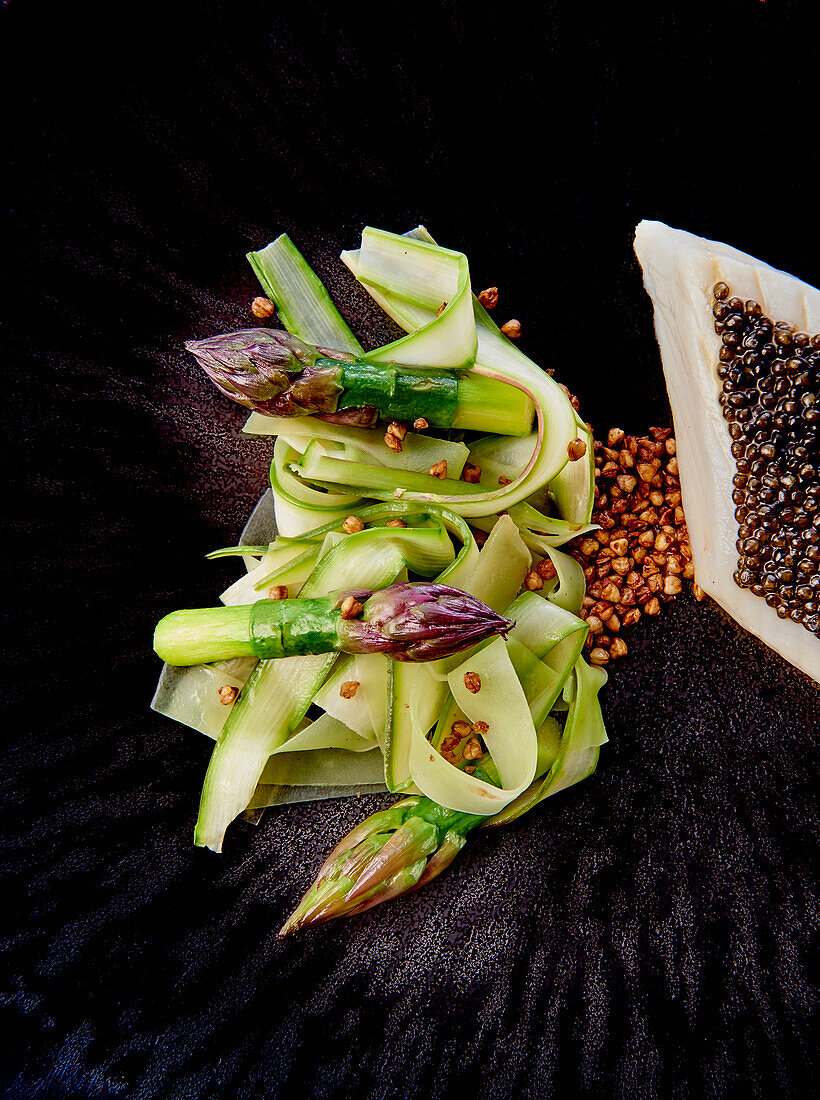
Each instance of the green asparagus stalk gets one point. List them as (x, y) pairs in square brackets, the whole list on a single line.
[(408, 622), (279, 375)]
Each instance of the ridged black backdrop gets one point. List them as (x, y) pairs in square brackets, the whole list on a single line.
[(650, 933)]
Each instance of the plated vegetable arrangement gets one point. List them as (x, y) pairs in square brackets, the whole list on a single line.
[(381, 639), (373, 642)]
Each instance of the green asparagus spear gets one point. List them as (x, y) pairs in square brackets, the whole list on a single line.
[(280, 375), (389, 853), (408, 622)]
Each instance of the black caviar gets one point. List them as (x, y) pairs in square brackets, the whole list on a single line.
[(771, 401)]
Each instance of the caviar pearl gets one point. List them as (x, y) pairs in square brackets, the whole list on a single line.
[(770, 399)]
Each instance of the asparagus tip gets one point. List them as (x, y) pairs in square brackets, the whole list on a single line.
[(389, 854)]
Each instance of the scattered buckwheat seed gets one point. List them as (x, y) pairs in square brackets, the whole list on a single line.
[(472, 750), (640, 556), (351, 608), (489, 297), (472, 682), (263, 308), (576, 449), (546, 570)]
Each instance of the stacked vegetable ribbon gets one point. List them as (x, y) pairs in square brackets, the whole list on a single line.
[(472, 726)]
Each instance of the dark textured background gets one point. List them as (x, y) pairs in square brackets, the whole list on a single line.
[(652, 932)]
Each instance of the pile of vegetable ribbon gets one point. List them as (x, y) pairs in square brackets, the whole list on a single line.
[(319, 712)]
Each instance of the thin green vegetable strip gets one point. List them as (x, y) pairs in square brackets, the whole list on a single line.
[(579, 751), (302, 302), (316, 467), (435, 278), (418, 698), (419, 452)]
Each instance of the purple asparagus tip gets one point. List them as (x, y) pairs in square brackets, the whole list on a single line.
[(271, 371), (390, 853), (419, 622)]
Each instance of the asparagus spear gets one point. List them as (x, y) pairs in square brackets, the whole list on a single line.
[(408, 622), (389, 853), (279, 375)]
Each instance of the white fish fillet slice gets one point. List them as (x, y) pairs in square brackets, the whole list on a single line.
[(679, 271)]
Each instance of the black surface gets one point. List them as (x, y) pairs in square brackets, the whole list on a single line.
[(650, 933)]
